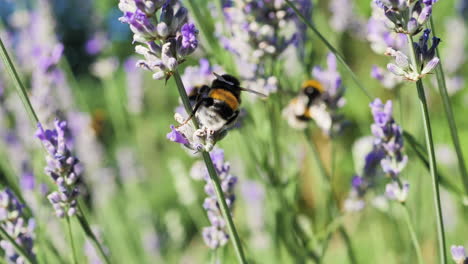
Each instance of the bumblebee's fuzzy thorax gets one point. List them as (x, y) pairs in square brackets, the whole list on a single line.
[(232, 87)]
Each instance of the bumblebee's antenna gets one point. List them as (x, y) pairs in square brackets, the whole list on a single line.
[(221, 78)]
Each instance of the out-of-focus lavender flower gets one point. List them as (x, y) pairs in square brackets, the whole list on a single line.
[(425, 59), (164, 40), (90, 251), (343, 17), (394, 191), (96, 43), (105, 68), (454, 53), (389, 137), (199, 75), (387, 79), (387, 151), (14, 223), (258, 28), (135, 91), (62, 167), (379, 35), (405, 16), (216, 235), (459, 254), (253, 193)]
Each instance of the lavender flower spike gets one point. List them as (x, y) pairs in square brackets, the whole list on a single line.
[(12, 220), (62, 167), (459, 254), (165, 40), (216, 235)]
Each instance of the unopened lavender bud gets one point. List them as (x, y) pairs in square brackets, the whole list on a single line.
[(413, 26), (167, 14), (162, 30)]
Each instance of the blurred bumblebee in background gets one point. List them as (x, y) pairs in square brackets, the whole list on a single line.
[(308, 105)]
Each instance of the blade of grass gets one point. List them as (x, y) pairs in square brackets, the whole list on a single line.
[(331, 48), (19, 249), (20, 89), (441, 83), (214, 177)]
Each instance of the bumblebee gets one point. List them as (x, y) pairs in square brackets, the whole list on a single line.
[(217, 107), (308, 105)]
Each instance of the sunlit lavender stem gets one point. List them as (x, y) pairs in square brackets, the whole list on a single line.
[(214, 177), (432, 160)]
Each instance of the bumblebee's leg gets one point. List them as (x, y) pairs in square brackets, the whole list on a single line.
[(197, 105)]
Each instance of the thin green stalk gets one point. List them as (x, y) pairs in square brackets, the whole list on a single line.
[(72, 243), (327, 179), (19, 249), (331, 48), (22, 93), (214, 177), (414, 237), (89, 233), (20, 89), (431, 153), (441, 83)]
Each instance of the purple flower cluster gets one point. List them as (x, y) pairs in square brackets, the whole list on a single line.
[(163, 32), (388, 137), (425, 59), (62, 167), (13, 221), (407, 17), (459, 254), (216, 235), (387, 151)]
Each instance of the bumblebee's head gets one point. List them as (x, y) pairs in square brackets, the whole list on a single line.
[(312, 88), (229, 83)]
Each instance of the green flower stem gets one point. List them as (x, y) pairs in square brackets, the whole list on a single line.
[(19, 249), (89, 233), (450, 117), (214, 177), (414, 237), (326, 178), (331, 48), (432, 161), (20, 89), (72, 243)]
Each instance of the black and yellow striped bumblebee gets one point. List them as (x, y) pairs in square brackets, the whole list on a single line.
[(216, 108), (308, 105)]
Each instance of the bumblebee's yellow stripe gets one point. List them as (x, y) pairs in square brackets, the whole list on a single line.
[(226, 97), (313, 83)]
